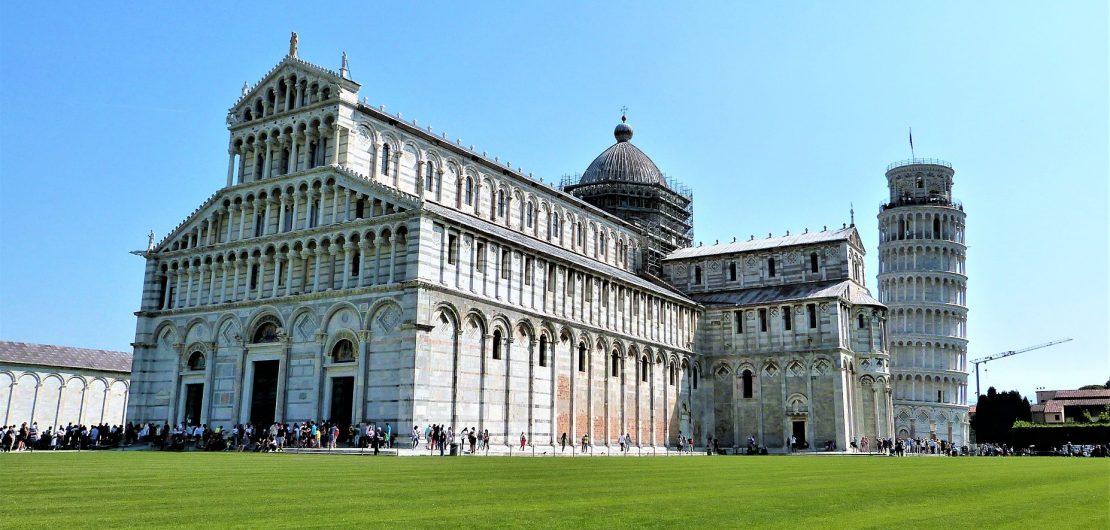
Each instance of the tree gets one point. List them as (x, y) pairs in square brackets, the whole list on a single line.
[(995, 414), (1091, 387)]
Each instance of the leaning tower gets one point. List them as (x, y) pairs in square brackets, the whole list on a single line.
[(923, 282)]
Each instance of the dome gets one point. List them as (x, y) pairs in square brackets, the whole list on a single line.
[(623, 162)]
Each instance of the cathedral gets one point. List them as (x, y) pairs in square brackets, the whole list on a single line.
[(357, 267)]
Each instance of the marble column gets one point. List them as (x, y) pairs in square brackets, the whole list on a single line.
[(348, 252), (263, 262), (278, 260), (316, 270), (235, 281), (170, 277), (251, 261)]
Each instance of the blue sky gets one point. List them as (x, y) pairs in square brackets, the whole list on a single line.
[(779, 116)]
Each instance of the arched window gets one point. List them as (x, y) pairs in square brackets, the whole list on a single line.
[(936, 228), (429, 176), (771, 267), (196, 361), (497, 344), (746, 383), (860, 321), (732, 271), (343, 352), (580, 234), (813, 262), (673, 373), (581, 357), (614, 364), (601, 245), (468, 191), (267, 332), (694, 377), (543, 350), (644, 369), (500, 203), (529, 213), (385, 159), (555, 233)]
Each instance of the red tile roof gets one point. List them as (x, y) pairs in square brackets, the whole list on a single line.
[(1082, 394), (64, 356)]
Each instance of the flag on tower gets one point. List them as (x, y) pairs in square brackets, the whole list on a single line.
[(911, 142)]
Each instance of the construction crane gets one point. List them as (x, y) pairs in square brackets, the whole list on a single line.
[(997, 356)]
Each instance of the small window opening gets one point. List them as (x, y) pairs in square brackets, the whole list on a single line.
[(452, 249), (497, 344)]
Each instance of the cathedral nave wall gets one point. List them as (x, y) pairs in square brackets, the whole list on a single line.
[(491, 366)]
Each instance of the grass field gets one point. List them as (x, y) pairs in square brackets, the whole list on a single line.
[(150, 489)]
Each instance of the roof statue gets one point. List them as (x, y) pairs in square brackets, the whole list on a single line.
[(344, 71), (293, 44), (150, 241), (246, 88)]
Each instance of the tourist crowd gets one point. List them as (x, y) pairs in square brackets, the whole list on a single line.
[(29, 437), (434, 438)]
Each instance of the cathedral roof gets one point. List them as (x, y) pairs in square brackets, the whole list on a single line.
[(544, 247), (64, 356), (845, 289), (824, 236), (623, 162)]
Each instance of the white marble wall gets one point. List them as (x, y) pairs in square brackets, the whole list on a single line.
[(53, 396)]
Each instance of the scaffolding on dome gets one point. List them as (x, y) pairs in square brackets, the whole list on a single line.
[(665, 214)]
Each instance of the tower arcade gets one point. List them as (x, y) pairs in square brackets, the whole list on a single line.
[(923, 282)]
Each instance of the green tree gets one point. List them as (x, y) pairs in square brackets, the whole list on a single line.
[(995, 414)]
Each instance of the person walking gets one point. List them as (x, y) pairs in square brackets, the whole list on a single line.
[(523, 441), (563, 443), (415, 436)]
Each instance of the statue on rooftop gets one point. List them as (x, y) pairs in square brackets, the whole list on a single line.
[(293, 44)]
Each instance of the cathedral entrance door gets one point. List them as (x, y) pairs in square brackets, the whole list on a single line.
[(342, 401), (194, 398), (800, 433), (264, 393)]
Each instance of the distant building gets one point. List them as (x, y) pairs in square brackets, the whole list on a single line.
[(58, 385), (1065, 406)]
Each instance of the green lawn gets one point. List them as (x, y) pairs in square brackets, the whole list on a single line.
[(153, 489)]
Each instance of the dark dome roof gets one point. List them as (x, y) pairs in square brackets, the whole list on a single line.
[(623, 162)]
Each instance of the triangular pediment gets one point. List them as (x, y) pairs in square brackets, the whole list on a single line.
[(854, 239), (195, 222), (291, 68)]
